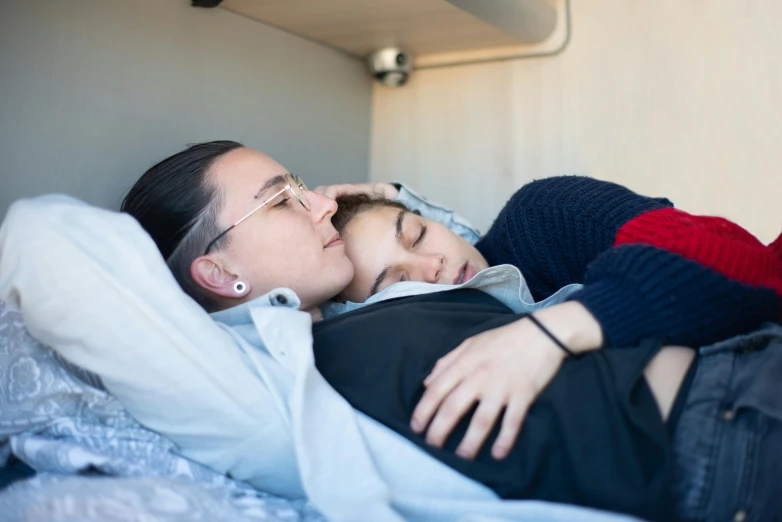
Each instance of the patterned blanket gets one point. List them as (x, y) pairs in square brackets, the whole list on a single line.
[(94, 461)]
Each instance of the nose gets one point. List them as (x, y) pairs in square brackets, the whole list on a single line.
[(432, 267), (322, 207)]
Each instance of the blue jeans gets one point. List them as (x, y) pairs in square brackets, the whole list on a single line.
[(728, 441)]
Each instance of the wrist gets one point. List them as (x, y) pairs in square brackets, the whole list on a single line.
[(574, 325)]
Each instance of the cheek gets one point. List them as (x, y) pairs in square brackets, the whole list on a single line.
[(455, 247), (368, 259), (263, 245), (356, 257), (269, 252), (448, 242)]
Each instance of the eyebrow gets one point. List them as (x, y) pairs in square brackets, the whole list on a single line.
[(378, 280), (400, 218), (271, 182)]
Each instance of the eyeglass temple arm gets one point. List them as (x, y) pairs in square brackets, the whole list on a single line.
[(250, 213)]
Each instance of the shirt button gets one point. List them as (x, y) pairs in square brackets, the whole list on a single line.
[(282, 299), (740, 516), (729, 415)]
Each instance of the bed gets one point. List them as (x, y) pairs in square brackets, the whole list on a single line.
[(86, 280), (94, 462)]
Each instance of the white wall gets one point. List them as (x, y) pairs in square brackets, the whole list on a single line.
[(674, 98), (93, 92)]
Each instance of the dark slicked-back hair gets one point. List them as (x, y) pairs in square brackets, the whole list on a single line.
[(177, 204)]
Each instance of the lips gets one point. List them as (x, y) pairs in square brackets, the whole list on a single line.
[(466, 272), (334, 241)]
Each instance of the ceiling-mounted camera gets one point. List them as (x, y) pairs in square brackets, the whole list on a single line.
[(391, 66)]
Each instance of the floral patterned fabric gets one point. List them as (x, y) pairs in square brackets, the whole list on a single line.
[(59, 420), (60, 498)]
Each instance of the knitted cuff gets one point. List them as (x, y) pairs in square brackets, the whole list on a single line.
[(638, 291), (619, 311)]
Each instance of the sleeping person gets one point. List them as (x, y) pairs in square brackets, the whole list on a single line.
[(628, 250), (552, 230), (612, 418)]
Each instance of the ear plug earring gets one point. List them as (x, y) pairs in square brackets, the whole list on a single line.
[(240, 287)]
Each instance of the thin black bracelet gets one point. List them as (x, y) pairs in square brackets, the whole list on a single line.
[(550, 335)]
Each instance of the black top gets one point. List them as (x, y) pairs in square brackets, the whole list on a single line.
[(594, 437)]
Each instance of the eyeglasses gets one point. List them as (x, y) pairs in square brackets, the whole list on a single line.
[(294, 184)]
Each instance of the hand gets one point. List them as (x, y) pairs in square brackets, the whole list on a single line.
[(506, 367), (379, 189)]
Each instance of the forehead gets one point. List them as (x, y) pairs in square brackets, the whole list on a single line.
[(239, 175), (370, 239), (243, 170), (374, 223)]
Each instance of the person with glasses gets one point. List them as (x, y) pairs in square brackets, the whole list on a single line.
[(233, 224), (630, 428)]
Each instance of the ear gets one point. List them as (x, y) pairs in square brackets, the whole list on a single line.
[(210, 275)]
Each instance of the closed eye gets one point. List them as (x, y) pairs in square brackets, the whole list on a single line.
[(420, 236), (282, 203)]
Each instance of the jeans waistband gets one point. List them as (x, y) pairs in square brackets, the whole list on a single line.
[(742, 372)]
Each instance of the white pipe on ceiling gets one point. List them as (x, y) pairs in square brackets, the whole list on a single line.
[(529, 21)]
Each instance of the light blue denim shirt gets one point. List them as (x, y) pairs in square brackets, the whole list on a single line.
[(239, 393)]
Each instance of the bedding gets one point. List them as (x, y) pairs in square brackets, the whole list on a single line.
[(60, 498), (94, 461), (239, 394)]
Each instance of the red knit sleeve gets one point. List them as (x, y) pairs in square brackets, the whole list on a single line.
[(714, 242)]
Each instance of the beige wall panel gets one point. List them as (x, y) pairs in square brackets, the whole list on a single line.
[(672, 98)]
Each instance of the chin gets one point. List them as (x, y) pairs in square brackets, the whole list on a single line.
[(336, 279)]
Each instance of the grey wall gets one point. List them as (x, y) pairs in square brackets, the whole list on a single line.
[(93, 92)]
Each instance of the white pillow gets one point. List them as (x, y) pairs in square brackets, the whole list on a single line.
[(91, 284)]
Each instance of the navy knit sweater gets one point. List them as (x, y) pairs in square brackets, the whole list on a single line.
[(648, 269)]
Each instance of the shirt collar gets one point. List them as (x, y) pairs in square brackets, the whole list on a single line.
[(241, 314), (504, 280)]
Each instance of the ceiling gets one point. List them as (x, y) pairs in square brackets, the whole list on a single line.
[(360, 27)]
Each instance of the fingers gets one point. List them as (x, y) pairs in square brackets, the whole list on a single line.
[(433, 397), (332, 191), (443, 363), (515, 412), (482, 422), (373, 189), (387, 190), (453, 408)]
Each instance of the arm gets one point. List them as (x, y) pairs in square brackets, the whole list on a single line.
[(649, 270), (636, 291), (640, 288), (551, 229), (504, 368), (91, 284)]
